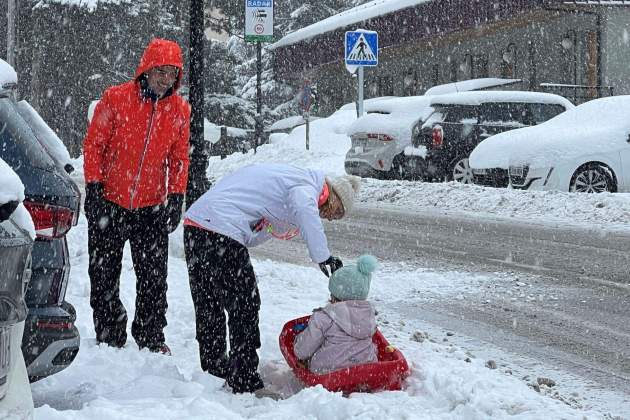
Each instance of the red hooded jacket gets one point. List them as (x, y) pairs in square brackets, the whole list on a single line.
[(137, 148)]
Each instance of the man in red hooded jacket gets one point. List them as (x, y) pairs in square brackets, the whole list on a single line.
[(135, 161)]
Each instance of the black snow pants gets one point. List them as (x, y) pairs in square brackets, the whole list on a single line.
[(222, 280), (107, 233)]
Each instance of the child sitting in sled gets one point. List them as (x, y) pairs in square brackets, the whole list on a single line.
[(340, 334)]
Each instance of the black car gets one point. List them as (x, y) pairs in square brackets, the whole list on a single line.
[(461, 121), (15, 255), (51, 340)]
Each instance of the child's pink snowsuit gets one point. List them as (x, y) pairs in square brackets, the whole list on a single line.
[(338, 336)]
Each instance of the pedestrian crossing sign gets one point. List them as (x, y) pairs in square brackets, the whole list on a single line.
[(361, 48)]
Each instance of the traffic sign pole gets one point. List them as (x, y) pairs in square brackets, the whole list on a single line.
[(360, 110)]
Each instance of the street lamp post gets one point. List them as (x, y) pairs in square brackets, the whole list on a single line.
[(197, 180)]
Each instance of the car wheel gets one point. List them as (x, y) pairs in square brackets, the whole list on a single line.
[(461, 171), (592, 178)]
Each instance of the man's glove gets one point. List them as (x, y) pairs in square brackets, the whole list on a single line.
[(333, 263), (93, 199), (173, 211)]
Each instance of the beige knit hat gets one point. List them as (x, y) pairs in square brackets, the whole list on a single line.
[(346, 187)]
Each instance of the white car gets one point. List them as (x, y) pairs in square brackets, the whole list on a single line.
[(585, 149), (381, 140)]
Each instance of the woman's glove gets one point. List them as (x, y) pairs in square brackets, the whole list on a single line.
[(332, 263), (173, 211)]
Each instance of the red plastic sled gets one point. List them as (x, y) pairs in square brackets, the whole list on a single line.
[(385, 374)]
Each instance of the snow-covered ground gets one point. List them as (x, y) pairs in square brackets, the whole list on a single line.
[(449, 377), (448, 381)]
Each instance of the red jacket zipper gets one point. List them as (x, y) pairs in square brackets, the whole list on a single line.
[(147, 139)]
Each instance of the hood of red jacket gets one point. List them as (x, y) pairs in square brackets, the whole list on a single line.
[(161, 52)]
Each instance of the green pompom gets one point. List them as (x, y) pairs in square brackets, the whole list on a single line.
[(366, 264)]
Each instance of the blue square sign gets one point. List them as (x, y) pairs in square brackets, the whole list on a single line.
[(361, 48)]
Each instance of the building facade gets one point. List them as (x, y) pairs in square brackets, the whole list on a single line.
[(579, 49)]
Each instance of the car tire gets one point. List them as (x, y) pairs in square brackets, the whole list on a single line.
[(461, 171), (593, 178), (405, 168)]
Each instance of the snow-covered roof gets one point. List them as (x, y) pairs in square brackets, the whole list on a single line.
[(212, 132), (472, 84), (289, 122), (91, 5), (351, 16), (601, 125), (480, 97), (7, 74)]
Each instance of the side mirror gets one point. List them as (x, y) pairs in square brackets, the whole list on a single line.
[(7, 209)]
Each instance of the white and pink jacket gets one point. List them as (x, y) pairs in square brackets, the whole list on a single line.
[(338, 336)]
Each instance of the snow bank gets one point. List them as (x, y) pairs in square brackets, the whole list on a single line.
[(606, 211)]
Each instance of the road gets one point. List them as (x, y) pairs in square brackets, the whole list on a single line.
[(586, 331)]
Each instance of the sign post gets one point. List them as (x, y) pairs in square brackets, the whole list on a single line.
[(361, 50), (305, 99), (258, 29)]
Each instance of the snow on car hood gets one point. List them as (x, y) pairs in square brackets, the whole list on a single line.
[(395, 117), (12, 189), (601, 126), (7, 74)]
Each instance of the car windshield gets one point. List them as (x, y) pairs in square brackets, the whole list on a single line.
[(18, 145), (544, 112), (505, 112), (455, 114)]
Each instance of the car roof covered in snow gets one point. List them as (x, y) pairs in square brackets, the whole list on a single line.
[(472, 84), (481, 97), (8, 76), (601, 126)]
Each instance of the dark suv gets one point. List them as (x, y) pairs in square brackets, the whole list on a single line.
[(51, 340), (461, 121)]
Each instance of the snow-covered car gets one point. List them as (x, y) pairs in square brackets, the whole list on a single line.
[(586, 149), (461, 121), (27, 144), (16, 239), (381, 140)]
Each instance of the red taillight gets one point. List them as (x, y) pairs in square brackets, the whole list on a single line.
[(381, 137), (50, 221), (437, 136), (54, 325)]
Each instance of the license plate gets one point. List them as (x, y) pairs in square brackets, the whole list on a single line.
[(358, 149), (516, 171)]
